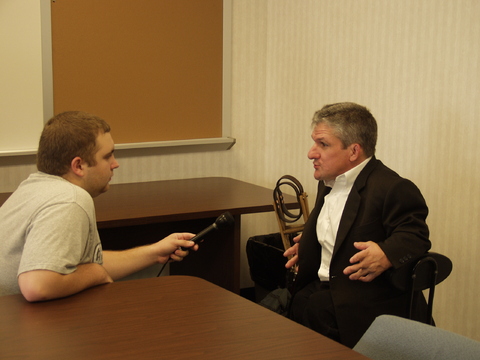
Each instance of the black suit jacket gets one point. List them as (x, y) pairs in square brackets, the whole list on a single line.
[(381, 207)]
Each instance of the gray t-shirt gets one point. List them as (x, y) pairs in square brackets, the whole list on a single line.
[(48, 223)]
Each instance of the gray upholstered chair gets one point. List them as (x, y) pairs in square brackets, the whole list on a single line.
[(391, 338)]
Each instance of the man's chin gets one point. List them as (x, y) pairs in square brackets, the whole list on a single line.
[(100, 192), (317, 176)]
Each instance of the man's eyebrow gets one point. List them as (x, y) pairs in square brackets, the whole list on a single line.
[(107, 155)]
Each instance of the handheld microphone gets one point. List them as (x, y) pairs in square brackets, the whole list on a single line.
[(224, 220)]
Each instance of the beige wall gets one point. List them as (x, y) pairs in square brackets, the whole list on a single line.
[(21, 77), (414, 63)]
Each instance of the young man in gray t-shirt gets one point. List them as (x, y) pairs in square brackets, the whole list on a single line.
[(49, 243)]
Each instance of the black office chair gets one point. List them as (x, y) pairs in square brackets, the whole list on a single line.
[(424, 273)]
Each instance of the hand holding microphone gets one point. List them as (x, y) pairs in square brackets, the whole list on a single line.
[(224, 220)]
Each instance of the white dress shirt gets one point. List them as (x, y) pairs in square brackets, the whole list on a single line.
[(331, 213)]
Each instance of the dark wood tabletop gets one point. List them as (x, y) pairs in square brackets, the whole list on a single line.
[(183, 199), (173, 317)]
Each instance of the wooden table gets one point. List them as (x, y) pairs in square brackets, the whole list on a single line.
[(173, 317), (136, 214)]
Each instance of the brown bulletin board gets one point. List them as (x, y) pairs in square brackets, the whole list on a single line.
[(151, 68)]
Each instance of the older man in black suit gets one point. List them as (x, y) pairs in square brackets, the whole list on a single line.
[(367, 221)]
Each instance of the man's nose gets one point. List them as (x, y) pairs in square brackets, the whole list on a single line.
[(312, 153), (115, 164)]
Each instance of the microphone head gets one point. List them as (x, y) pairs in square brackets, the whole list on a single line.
[(224, 220)]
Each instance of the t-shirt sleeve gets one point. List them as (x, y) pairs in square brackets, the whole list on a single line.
[(56, 239)]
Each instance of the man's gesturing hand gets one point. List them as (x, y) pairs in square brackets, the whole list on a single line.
[(368, 263)]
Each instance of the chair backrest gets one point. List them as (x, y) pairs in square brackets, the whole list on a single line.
[(424, 273), (421, 271), (391, 338)]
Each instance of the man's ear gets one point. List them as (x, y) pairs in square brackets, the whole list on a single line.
[(356, 150), (78, 165)]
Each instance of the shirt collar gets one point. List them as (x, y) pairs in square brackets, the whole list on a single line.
[(347, 179)]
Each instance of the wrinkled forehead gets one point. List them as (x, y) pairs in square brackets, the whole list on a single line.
[(324, 129)]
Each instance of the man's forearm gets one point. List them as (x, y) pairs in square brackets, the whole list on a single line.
[(123, 263), (41, 285)]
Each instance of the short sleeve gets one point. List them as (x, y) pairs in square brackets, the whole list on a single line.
[(56, 239)]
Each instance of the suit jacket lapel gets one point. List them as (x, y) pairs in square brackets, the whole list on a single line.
[(351, 206), (322, 191)]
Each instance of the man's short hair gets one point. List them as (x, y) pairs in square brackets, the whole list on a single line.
[(351, 123), (66, 136)]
